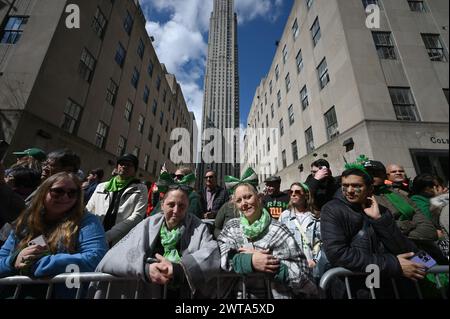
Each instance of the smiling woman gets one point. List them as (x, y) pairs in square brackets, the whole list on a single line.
[(53, 233)]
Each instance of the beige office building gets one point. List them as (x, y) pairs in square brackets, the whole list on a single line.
[(337, 89), (97, 88)]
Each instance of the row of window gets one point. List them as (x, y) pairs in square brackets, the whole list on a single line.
[(404, 106), (414, 5), (386, 49)]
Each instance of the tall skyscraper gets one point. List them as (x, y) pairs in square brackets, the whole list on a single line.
[(221, 98)]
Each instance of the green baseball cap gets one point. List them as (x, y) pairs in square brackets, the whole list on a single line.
[(36, 153)]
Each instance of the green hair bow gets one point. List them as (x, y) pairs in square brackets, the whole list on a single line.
[(358, 166), (165, 180), (249, 177)]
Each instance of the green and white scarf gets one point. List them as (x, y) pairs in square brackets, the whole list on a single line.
[(169, 240), (254, 230)]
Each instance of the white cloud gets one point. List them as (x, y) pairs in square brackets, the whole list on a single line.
[(181, 41)]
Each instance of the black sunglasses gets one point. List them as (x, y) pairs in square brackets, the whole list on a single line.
[(183, 188), (60, 192)]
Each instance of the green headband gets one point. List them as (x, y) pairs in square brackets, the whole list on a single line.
[(249, 177)]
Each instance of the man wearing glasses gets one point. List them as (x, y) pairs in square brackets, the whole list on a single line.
[(213, 196), (121, 202)]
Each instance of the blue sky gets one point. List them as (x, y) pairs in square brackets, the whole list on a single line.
[(180, 29)]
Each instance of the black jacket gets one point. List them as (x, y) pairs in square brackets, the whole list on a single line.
[(353, 240), (323, 191), (220, 198)]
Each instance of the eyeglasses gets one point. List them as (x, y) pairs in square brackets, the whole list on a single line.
[(183, 188), (209, 177), (295, 192), (60, 192)]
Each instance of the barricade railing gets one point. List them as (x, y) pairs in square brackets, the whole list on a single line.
[(347, 275), (85, 279)]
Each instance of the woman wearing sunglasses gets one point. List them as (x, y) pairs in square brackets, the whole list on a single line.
[(256, 243), (303, 221), (172, 252), (55, 232)]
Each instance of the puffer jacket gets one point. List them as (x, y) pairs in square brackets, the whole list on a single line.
[(353, 240), (132, 209)]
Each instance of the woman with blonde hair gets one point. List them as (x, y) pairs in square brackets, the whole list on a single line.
[(53, 233), (257, 243)]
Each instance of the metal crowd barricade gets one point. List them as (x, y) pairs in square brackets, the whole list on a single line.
[(87, 278), (340, 272)]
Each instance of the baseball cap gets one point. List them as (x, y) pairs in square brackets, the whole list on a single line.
[(129, 158), (36, 153), (273, 179)]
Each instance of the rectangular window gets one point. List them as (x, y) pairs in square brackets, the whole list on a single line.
[(150, 134), (164, 149), (72, 114), (150, 68), (87, 65), (135, 78), (315, 31), (141, 48), (309, 3), (291, 114), (304, 97), (13, 29), (404, 105), (99, 23), (331, 124), (141, 123), (111, 92), (434, 46), (136, 151), (369, 2), (128, 110), (309, 139), (446, 92), (417, 6), (384, 45), (265, 98), (277, 73), (128, 23), (272, 111), (122, 145), (294, 151), (279, 98), (295, 30), (161, 118), (102, 133), (267, 120), (270, 87), (322, 70), (146, 94), (120, 55), (281, 127), (158, 83), (283, 156), (155, 167), (268, 145), (299, 61), (285, 53), (154, 107), (288, 83), (146, 161), (158, 141)]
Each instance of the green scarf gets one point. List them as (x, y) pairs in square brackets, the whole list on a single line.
[(116, 184), (399, 203), (254, 230), (169, 240), (423, 203)]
